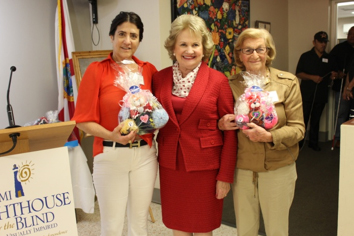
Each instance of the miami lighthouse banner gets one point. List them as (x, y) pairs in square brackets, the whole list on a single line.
[(36, 195)]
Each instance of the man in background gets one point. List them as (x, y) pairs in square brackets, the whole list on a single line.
[(315, 69), (342, 53)]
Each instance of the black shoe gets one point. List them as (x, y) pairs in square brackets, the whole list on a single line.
[(315, 147)]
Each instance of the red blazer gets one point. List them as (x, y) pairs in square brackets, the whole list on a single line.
[(203, 145)]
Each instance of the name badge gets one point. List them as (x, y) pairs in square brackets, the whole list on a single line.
[(325, 60), (274, 96)]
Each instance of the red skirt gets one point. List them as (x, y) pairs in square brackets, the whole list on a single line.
[(188, 199)]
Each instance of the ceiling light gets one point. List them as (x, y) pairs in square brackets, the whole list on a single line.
[(345, 4)]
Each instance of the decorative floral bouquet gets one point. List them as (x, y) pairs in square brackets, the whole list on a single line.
[(255, 105), (140, 109), (50, 117)]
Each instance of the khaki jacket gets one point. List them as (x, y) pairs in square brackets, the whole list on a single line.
[(289, 130)]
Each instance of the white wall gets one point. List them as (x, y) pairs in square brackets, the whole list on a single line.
[(155, 27), (80, 17), (27, 42), (275, 12), (305, 19), (341, 22)]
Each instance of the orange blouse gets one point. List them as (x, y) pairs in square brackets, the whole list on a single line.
[(99, 99)]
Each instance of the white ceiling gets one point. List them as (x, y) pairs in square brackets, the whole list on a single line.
[(346, 10)]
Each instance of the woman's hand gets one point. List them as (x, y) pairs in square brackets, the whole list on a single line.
[(227, 122), (119, 138), (256, 133), (98, 130), (222, 188)]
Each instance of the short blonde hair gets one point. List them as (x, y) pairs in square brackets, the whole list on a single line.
[(196, 25), (254, 33)]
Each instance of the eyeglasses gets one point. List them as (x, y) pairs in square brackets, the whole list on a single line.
[(249, 51)]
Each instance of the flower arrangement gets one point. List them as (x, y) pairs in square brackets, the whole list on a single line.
[(140, 109), (255, 105)]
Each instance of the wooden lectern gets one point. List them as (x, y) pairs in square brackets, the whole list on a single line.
[(346, 180), (36, 169), (37, 137)]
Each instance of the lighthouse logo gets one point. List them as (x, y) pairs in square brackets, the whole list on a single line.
[(22, 175)]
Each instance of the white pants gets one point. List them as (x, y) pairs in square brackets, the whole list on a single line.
[(124, 179), (273, 196)]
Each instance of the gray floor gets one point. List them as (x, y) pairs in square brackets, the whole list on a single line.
[(89, 224), (315, 207)]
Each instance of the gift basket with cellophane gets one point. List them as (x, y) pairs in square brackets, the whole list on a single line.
[(140, 109), (255, 105)]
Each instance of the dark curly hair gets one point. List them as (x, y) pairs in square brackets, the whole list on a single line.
[(131, 17)]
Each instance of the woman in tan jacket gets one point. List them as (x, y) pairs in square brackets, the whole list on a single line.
[(265, 173)]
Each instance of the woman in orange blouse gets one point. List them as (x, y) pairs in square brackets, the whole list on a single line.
[(125, 167)]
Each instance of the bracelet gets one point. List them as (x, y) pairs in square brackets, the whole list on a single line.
[(348, 89)]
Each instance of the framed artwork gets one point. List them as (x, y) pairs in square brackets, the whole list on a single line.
[(263, 25), (81, 60), (225, 20)]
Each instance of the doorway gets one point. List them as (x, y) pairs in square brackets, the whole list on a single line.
[(341, 19)]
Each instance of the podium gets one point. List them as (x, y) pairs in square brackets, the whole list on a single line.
[(37, 137), (346, 180), (35, 180)]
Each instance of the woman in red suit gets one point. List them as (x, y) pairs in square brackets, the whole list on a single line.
[(197, 160)]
